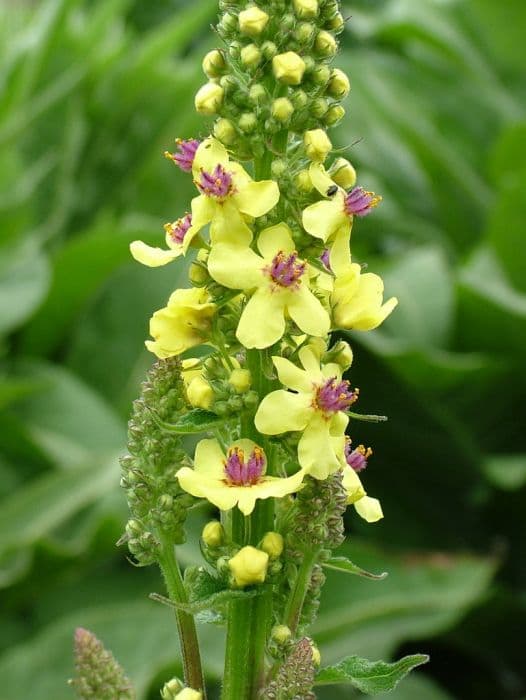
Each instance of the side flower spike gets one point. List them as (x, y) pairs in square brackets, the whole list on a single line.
[(227, 193), (237, 478), (316, 405), (179, 235), (280, 285), (326, 218)]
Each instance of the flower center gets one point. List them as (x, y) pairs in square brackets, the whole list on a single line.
[(359, 202), (241, 473), (334, 396), (285, 270), (357, 458), (178, 229), (217, 184), (184, 157)]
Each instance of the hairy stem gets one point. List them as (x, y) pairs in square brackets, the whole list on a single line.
[(297, 595)]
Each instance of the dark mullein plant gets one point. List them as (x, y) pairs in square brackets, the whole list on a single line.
[(271, 276)]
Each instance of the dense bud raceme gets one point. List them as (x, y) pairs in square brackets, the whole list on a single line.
[(263, 403)]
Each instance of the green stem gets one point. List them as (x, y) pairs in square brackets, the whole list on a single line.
[(193, 673), (297, 596)]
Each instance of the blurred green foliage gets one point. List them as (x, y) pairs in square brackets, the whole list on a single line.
[(91, 93)]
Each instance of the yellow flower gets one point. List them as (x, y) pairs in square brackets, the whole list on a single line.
[(367, 508), (183, 323), (315, 405), (357, 298), (249, 566), (280, 283), (288, 68), (326, 218), (179, 235), (209, 98), (237, 478), (227, 193), (317, 145)]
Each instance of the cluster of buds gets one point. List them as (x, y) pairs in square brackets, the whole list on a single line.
[(296, 675)]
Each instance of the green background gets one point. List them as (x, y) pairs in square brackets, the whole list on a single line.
[(91, 94)]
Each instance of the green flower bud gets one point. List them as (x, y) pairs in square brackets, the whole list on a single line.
[(343, 173), (321, 74), (257, 94), (240, 379), (209, 98), (251, 399), (234, 49), (288, 68), (339, 85), (214, 64), (319, 107), (306, 9), (278, 168), (336, 23), (252, 21), (317, 145), (325, 44), (282, 109), (330, 9), (171, 689), (213, 534), (335, 114), (251, 56), (299, 99), (248, 122), (225, 132), (303, 181), (228, 83), (304, 32), (198, 274), (227, 25), (269, 50), (286, 22), (272, 543), (281, 634)]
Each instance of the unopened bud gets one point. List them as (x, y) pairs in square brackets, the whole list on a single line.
[(341, 353), (321, 74), (272, 544), (282, 109), (306, 9), (303, 181), (227, 25), (251, 56), (200, 394), (209, 98), (252, 21), (213, 534), (278, 168), (335, 114), (336, 23), (249, 566), (257, 93), (288, 68), (339, 85), (343, 173), (316, 656), (171, 689), (304, 32), (225, 131), (189, 694), (281, 634), (269, 50), (317, 145), (248, 122), (198, 274), (228, 83), (319, 107), (214, 64), (240, 379), (325, 44), (299, 99)]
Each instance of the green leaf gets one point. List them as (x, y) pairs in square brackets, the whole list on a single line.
[(196, 421), (370, 677), (348, 567)]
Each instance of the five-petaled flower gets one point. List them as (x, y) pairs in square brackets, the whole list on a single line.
[(279, 282), (316, 405), (235, 478)]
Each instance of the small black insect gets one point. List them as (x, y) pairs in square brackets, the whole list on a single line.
[(332, 190)]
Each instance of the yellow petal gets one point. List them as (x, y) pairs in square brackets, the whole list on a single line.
[(203, 210), (311, 362), (228, 226), (352, 485), (324, 219), (292, 376), (262, 322), (202, 486), (315, 449), (236, 267), (282, 411), (275, 238), (320, 179), (209, 459), (257, 198), (152, 257), (369, 509), (209, 154), (340, 254), (307, 312)]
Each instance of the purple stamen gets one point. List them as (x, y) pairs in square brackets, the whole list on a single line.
[(335, 396), (285, 270), (241, 473), (357, 458), (359, 202), (217, 184), (325, 257), (178, 229), (184, 158)]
